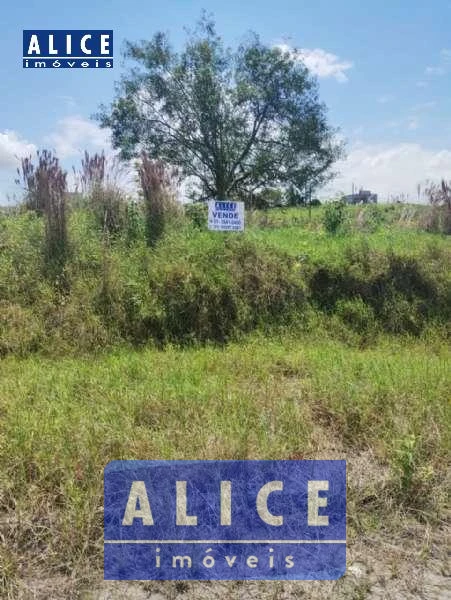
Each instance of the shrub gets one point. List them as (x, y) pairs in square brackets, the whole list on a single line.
[(294, 197), (334, 216), (436, 220), (134, 225), (21, 267), (414, 475), (358, 315), (265, 280), (370, 218), (196, 307), (402, 292), (201, 298), (21, 331), (75, 327), (203, 287), (197, 213)]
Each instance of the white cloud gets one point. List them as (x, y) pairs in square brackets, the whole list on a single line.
[(74, 134), (319, 62), (12, 147), (71, 136), (390, 170), (435, 71)]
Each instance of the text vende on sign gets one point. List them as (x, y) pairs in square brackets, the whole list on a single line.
[(225, 520), (67, 49)]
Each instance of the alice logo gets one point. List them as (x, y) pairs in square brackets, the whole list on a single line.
[(226, 519), (68, 49)]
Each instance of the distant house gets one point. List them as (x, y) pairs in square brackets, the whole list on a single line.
[(362, 197)]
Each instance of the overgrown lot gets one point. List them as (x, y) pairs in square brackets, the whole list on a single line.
[(384, 409), (284, 342), (197, 286)]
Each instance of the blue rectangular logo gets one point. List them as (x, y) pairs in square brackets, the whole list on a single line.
[(249, 519), (68, 49), (225, 206)]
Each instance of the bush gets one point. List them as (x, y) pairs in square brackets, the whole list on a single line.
[(334, 216), (370, 218), (134, 224), (197, 213), (402, 292), (356, 314), (74, 327), (436, 220), (209, 299), (294, 197), (21, 331), (196, 307)]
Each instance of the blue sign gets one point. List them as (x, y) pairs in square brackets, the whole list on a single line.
[(225, 519), (67, 49)]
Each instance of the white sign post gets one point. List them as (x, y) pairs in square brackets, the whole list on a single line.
[(225, 216)]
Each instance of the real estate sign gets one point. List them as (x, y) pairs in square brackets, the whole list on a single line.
[(225, 215)]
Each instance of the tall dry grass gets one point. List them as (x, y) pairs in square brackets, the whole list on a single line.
[(45, 185), (98, 181), (158, 184), (439, 196)]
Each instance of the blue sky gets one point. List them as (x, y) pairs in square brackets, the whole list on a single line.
[(384, 71)]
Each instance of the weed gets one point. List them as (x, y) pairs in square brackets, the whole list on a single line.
[(405, 462), (334, 216), (197, 213)]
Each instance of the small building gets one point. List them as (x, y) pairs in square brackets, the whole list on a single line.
[(362, 197)]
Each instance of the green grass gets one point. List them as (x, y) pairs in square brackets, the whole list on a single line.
[(64, 420), (395, 228), (318, 246), (336, 347), (380, 271)]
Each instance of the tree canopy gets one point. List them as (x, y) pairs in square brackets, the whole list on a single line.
[(231, 121)]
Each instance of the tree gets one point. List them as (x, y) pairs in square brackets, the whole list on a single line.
[(233, 122)]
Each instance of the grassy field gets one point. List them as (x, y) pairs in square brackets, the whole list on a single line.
[(330, 381)]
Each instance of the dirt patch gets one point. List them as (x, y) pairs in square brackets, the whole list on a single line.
[(414, 565)]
